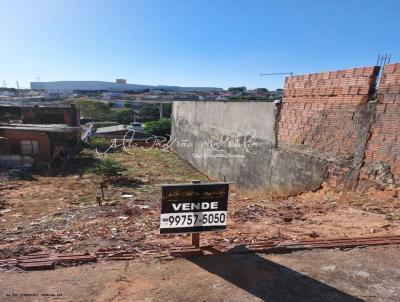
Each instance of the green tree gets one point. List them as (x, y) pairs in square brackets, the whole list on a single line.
[(161, 127), (109, 167), (96, 110), (167, 109), (128, 105), (100, 143), (237, 89), (124, 116), (262, 90), (149, 112)]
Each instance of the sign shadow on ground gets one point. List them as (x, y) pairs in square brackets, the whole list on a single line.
[(268, 280)]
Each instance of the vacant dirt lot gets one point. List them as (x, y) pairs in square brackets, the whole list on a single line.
[(59, 212), (371, 274)]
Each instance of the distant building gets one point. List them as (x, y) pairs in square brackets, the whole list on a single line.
[(82, 87), (111, 95), (118, 103), (7, 93)]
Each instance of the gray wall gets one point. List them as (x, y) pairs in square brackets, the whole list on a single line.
[(236, 141)]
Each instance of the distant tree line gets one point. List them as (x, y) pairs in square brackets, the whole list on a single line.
[(102, 112)]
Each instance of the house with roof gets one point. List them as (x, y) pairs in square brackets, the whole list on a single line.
[(39, 142)]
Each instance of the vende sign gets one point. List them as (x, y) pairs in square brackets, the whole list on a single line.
[(191, 208)]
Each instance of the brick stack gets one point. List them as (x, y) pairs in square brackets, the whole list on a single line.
[(384, 143), (319, 111)]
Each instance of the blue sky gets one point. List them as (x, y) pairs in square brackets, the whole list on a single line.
[(218, 43)]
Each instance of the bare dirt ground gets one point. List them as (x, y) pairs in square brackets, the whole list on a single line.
[(60, 212), (371, 274)]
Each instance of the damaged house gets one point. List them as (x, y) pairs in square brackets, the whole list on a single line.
[(40, 140), (41, 114)]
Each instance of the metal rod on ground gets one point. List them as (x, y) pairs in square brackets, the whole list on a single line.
[(195, 236)]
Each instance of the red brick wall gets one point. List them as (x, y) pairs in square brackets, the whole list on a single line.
[(384, 143), (14, 141), (320, 112), (51, 115)]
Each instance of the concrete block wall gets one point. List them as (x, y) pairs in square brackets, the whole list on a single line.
[(320, 112), (236, 141), (206, 133)]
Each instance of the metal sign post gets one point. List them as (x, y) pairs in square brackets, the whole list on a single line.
[(195, 237)]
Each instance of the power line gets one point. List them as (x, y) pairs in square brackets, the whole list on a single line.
[(276, 73)]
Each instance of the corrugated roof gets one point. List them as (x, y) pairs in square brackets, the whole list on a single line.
[(41, 127), (113, 128)]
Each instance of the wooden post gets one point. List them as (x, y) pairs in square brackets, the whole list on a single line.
[(102, 192), (103, 185), (196, 239), (195, 236)]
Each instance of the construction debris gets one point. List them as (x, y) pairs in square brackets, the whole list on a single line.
[(41, 261), (288, 246), (44, 261)]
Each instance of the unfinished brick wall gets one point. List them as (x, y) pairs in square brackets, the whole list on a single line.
[(320, 112), (14, 138), (384, 143), (51, 115), (8, 113)]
